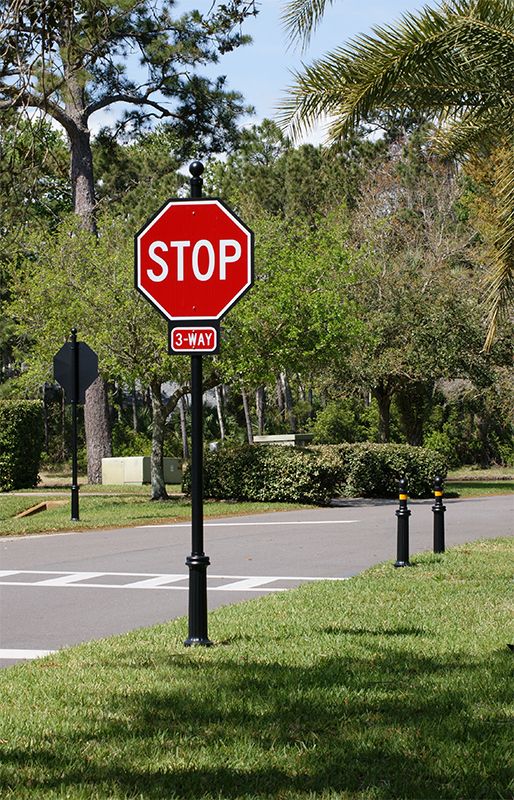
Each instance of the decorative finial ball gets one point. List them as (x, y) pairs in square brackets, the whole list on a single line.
[(402, 483), (196, 168)]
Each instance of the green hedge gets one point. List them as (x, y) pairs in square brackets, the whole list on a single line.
[(267, 473), (373, 470), (317, 474), (21, 442)]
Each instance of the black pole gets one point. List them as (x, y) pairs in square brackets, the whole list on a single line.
[(197, 561), (403, 514), (74, 426), (438, 508)]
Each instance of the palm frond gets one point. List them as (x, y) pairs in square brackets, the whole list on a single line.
[(475, 131), (500, 279), (301, 18), (411, 64)]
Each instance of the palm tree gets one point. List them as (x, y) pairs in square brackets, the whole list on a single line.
[(455, 62)]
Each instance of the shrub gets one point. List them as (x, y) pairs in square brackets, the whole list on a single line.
[(128, 442), (317, 474), (341, 421), (441, 442), (373, 470), (21, 442), (268, 473)]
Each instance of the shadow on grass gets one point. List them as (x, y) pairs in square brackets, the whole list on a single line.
[(401, 631), (382, 725)]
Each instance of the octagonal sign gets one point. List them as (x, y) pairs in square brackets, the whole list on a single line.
[(194, 259)]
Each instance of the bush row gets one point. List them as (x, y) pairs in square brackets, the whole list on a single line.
[(21, 442), (373, 470), (267, 474), (316, 474)]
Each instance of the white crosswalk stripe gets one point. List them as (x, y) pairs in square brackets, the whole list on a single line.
[(17, 654), (65, 580), (177, 582)]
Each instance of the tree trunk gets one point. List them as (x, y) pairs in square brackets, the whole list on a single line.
[(483, 426), (310, 400), (383, 396), (288, 401), (280, 397), (159, 414), (413, 403), (81, 157), (98, 432), (246, 408), (183, 428), (134, 410), (218, 393), (83, 196), (260, 403)]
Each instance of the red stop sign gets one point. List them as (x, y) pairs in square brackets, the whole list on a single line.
[(194, 259)]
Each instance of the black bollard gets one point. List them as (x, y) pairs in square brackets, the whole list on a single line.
[(403, 514), (438, 508)]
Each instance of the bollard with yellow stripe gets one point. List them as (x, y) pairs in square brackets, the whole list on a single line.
[(402, 514), (438, 508)]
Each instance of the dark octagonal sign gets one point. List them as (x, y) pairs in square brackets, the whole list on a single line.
[(194, 259), (87, 370)]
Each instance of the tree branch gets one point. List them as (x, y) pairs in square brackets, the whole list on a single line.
[(133, 99), (22, 98)]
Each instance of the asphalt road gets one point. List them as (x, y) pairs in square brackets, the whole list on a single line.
[(61, 589)]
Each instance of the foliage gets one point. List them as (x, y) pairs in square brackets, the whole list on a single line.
[(296, 317), (415, 288), (128, 442), (34, 181), (265, 474), (265, 173), (137, 176), (454, 61), (345, 420), (474, 425), (373, 470), (21, 441), (69, 60), (68, 278)]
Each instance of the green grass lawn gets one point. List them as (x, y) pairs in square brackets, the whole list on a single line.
[(477, 488), (104, 512), (472, 472), (394, 684)]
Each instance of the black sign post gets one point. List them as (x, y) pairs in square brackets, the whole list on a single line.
[(197, 561), (193, 262), (75, 368)]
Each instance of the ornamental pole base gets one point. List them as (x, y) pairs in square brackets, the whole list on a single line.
[(197, 601), (75, 503), (402, 537)]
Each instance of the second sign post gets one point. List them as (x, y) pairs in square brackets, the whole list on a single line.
[(193, 262)]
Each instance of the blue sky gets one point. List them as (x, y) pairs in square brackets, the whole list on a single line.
[(262, 70)]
